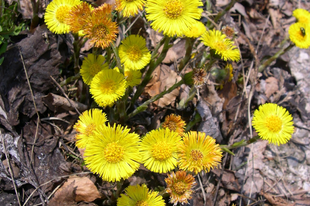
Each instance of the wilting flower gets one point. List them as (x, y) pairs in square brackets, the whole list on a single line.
[(134, 53), (107, 87), (130, 7), (302, 16), (174, 123), (195, 30), (221, 45), (91, 66), (173, 17), (300, 34), (198, 152), (199, 77), (113, 153), (87, 124), (77, 17), (159, 150), (56, 14), (139, 195), (179, 186), (100, 28), (273, 123)]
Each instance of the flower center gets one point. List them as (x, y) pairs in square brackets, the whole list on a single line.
[(220, 46), (172, 125), (134, 53), (173, 9), (113, 152), (90, 129), (196, 155), (94, 69), (273, 123), (62, 12), (108, 87), (100, 31), (141, 203), (161, 151), (179, 188)]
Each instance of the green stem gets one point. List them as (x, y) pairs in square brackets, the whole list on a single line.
[(210, 64), (197, 118), (241, 143), (153, 64), (189, 47), (183, 103), (70, 79), (223, 12), (144, 106), (35, 16), (118, 60), (274, 57)]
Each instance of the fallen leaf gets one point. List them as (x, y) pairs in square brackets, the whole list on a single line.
[(228, 179), (271, 86), (76, 189), (176, 52)]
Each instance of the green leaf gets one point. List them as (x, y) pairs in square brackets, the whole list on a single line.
[(3, 47), (1, 60)]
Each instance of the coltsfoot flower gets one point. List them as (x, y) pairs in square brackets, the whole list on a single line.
[(300, 34), (174, 123), (273, 123), (129, 7)]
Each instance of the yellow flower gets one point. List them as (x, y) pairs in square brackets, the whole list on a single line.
[(179, 186), (56, 13), (174, 123), (159, 150), (199, 152), (302, 16), (139, 195), (113, 153), (134, 53), (221, 45), (195, 30), (130, 7), (77, 17), (173, 17), (100, 28), (133, 77), (91, 65), (86, 125), (273, 123), (107, 87), (300, 35)]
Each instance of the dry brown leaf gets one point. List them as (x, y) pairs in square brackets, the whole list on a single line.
[(276, 201), (271, 86), (228, 179), (177, 51), (76, 189), (163, 79), (228, 92)]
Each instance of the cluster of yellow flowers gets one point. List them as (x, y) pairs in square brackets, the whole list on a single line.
[(114, 154), (299, 31)]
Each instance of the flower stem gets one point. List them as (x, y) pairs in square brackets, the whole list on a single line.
[(118, 60), (144, 106), (241, 143), (189, 47), (274, 57)]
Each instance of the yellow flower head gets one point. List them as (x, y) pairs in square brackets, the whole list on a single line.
[(174, 123), (134, 53), (195, 30), (179, 186), (139, 195), (221, 45), (113, 153), (199, 152), (133, 77), (273, 123), (56, 14), (77, 17), (302, 16), (159, 150), (173, 17), (100, 28), (91, 65), (300, 34), (107, 87), (130, 7), (86, 125)]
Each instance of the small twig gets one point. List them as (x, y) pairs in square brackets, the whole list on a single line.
[(202, 190), (10, 168), (34, 104), (301, 127), (134, 21), (63, 92)]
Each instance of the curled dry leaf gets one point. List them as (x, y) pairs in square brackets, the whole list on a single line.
[(76, 189)]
